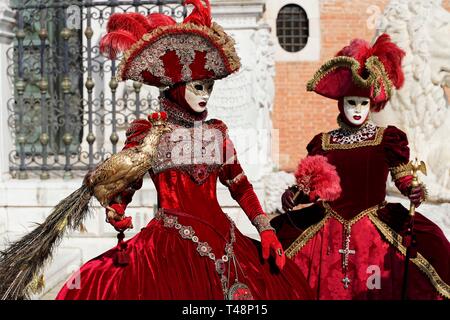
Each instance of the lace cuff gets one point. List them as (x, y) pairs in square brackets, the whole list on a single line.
[(262, 223)]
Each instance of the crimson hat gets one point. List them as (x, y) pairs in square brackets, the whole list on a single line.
[(360, 69), (159, 52)]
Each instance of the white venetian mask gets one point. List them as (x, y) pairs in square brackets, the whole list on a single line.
[(356, 109), (198, 93)]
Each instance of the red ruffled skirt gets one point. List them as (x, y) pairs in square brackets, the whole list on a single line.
[(163, 265)]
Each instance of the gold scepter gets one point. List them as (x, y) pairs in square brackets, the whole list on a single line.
[(416, 167), (411, 241)]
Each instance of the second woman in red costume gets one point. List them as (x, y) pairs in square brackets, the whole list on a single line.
[(353, 246)]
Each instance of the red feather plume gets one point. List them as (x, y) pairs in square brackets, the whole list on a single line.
[(124, 29), (358, 49), (388, 52), (132, 22), (201, 15), (391, 56), (156, 20), (318, 178), (117, 41)]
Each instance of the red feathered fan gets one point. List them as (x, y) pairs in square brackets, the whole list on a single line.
[(318, 179)]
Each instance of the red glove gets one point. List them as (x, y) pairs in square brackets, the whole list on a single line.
[(270, 244), (417, 194), (116, 217)]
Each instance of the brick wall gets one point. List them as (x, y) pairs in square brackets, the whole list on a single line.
[(298, 114)]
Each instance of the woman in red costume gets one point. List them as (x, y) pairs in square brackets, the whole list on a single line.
[(191, 249), (353, 247)]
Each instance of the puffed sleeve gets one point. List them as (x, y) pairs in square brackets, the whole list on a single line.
[(395, 143), (315, 146)]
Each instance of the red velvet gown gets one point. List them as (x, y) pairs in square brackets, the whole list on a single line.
[(316, 237), (165, 262)]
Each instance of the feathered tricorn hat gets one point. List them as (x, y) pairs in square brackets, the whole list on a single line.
[(159, 52), (360, 69)]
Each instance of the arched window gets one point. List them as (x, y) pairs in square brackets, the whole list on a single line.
[(292, 28)]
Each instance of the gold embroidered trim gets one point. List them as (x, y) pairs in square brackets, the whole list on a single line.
[(396, 240), (373, 65), (356, 218), (326, 145), (216, 33), (306, 235), (310, 232), (401, 171)]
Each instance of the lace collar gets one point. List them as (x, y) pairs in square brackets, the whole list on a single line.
[(349, 135), (178, 115)]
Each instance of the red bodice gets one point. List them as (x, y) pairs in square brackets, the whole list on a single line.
[(363, 169), (177, 191), (189, 161)]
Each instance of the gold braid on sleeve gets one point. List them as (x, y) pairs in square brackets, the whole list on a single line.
[(401, 171)]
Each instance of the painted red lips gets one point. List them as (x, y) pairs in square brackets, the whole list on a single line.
[(202, 104), (357, 117)]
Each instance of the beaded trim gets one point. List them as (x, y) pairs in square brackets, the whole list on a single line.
[(396, 240), (204, 249), (177, 115), (348, 135), (221, 57), (188, 233), (197, 156), (262, 223), (368, 135)]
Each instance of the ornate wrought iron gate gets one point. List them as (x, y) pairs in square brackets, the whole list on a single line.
[(68, 109)]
